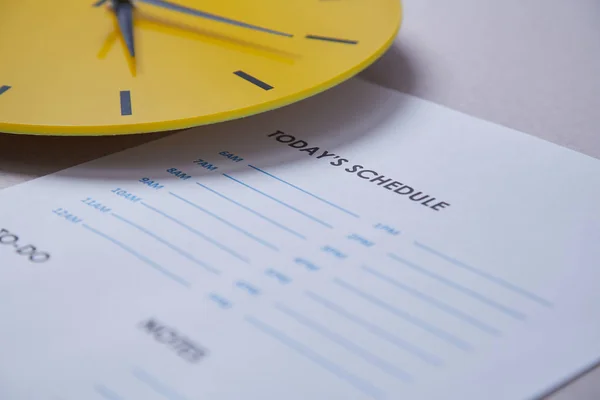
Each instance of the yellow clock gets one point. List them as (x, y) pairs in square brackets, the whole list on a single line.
[(73, 67)]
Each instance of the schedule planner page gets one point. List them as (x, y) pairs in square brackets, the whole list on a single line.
[(361, 244)]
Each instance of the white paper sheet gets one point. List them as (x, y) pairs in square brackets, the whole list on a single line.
[(282, 257)]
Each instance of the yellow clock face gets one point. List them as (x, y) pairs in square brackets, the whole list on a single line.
[(72, 67)]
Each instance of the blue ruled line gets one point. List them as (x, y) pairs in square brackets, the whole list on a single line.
[(281, 202), (410, 348), (146, 260), (347, 344), (441, 334), (106, 393), (277, 224), (463, 289), (169, 245), (434, 302), (488, 276), (307, 192), (304, 351), (237, 228), (198, 233), (157, 386)]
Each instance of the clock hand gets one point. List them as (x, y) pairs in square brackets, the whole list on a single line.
[(124, 11), (202, 14)]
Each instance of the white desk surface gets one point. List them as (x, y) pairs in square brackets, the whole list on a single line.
[(531, 65)]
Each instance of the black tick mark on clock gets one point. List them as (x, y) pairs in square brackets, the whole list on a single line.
[(330, 39), (4, 89), (125, 102), (253, 80)]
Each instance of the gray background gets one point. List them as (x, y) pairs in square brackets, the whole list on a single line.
[(531, 65)]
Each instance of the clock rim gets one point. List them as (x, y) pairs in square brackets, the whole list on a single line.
[(205, 120)]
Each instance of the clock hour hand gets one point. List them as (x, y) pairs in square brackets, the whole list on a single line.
[(124, 12), (202, 14)]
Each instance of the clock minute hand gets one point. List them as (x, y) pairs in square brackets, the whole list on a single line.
[(202, 14)]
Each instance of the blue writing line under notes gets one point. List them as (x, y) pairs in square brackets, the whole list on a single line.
[(277, 224), (223, 220), (305, 191), (414, 350), (169, 245), (198, 233), (347, 344), (435, 331), (434, 302), (356, 382), (139, 256), (489, 277), (280, 202), (156, 385), (465, 290), (106, 393)]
